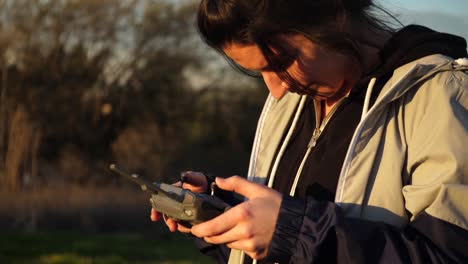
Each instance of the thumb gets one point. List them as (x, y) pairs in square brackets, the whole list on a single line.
[(240, 185)]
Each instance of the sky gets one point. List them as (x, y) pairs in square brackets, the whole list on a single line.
[(458, 7), (449, 16)]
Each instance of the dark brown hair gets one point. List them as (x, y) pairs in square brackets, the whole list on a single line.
[(262, 22)]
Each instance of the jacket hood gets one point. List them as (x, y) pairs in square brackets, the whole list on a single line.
[(414, 42), (410, 44)]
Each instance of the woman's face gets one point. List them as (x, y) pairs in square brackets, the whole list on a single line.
[(328, 75)]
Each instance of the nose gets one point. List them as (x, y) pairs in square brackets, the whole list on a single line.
[(276, 86)]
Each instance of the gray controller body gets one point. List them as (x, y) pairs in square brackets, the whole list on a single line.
[(185, 206), (182, 205)]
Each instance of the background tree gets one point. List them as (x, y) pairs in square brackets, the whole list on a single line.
[(86, 83)]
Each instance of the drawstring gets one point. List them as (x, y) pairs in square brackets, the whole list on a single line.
[(370, 87), (460, 62), (286, 141)]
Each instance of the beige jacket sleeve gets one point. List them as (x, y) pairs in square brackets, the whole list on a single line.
[(437, 135)]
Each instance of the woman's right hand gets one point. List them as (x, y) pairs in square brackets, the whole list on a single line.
[(195, 182)]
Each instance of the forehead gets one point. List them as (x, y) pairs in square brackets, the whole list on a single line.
[(250, 57), (247, 56)]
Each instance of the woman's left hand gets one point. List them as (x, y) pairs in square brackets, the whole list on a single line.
[(248, 226)]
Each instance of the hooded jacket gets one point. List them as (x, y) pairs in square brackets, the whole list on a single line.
[(401, 187)]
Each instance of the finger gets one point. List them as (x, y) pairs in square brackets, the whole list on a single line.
[(171, 224), (155, 215), (240, 185), (183, 229), (249, 248), (174, 226), (195, 181), (238, 233), (221, 223), (193, 177)]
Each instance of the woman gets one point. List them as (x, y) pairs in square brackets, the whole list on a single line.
[(362, 143)]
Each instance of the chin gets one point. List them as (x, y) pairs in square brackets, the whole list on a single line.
[(278, 94)]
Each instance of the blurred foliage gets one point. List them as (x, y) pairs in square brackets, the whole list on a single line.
[(86, 83)]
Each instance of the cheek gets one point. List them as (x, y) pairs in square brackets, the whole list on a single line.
[(325, 73), (334, 77)]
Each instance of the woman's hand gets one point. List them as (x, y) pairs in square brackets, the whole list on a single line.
[(196, 182), (248, 226)]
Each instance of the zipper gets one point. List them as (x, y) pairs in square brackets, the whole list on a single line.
[(320, 126)]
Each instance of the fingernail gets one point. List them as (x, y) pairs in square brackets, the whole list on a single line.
[(219, 179)]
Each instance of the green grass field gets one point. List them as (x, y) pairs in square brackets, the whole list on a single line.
[(77, 248)]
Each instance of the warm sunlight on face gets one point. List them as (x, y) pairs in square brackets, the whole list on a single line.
[(329, 75)]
